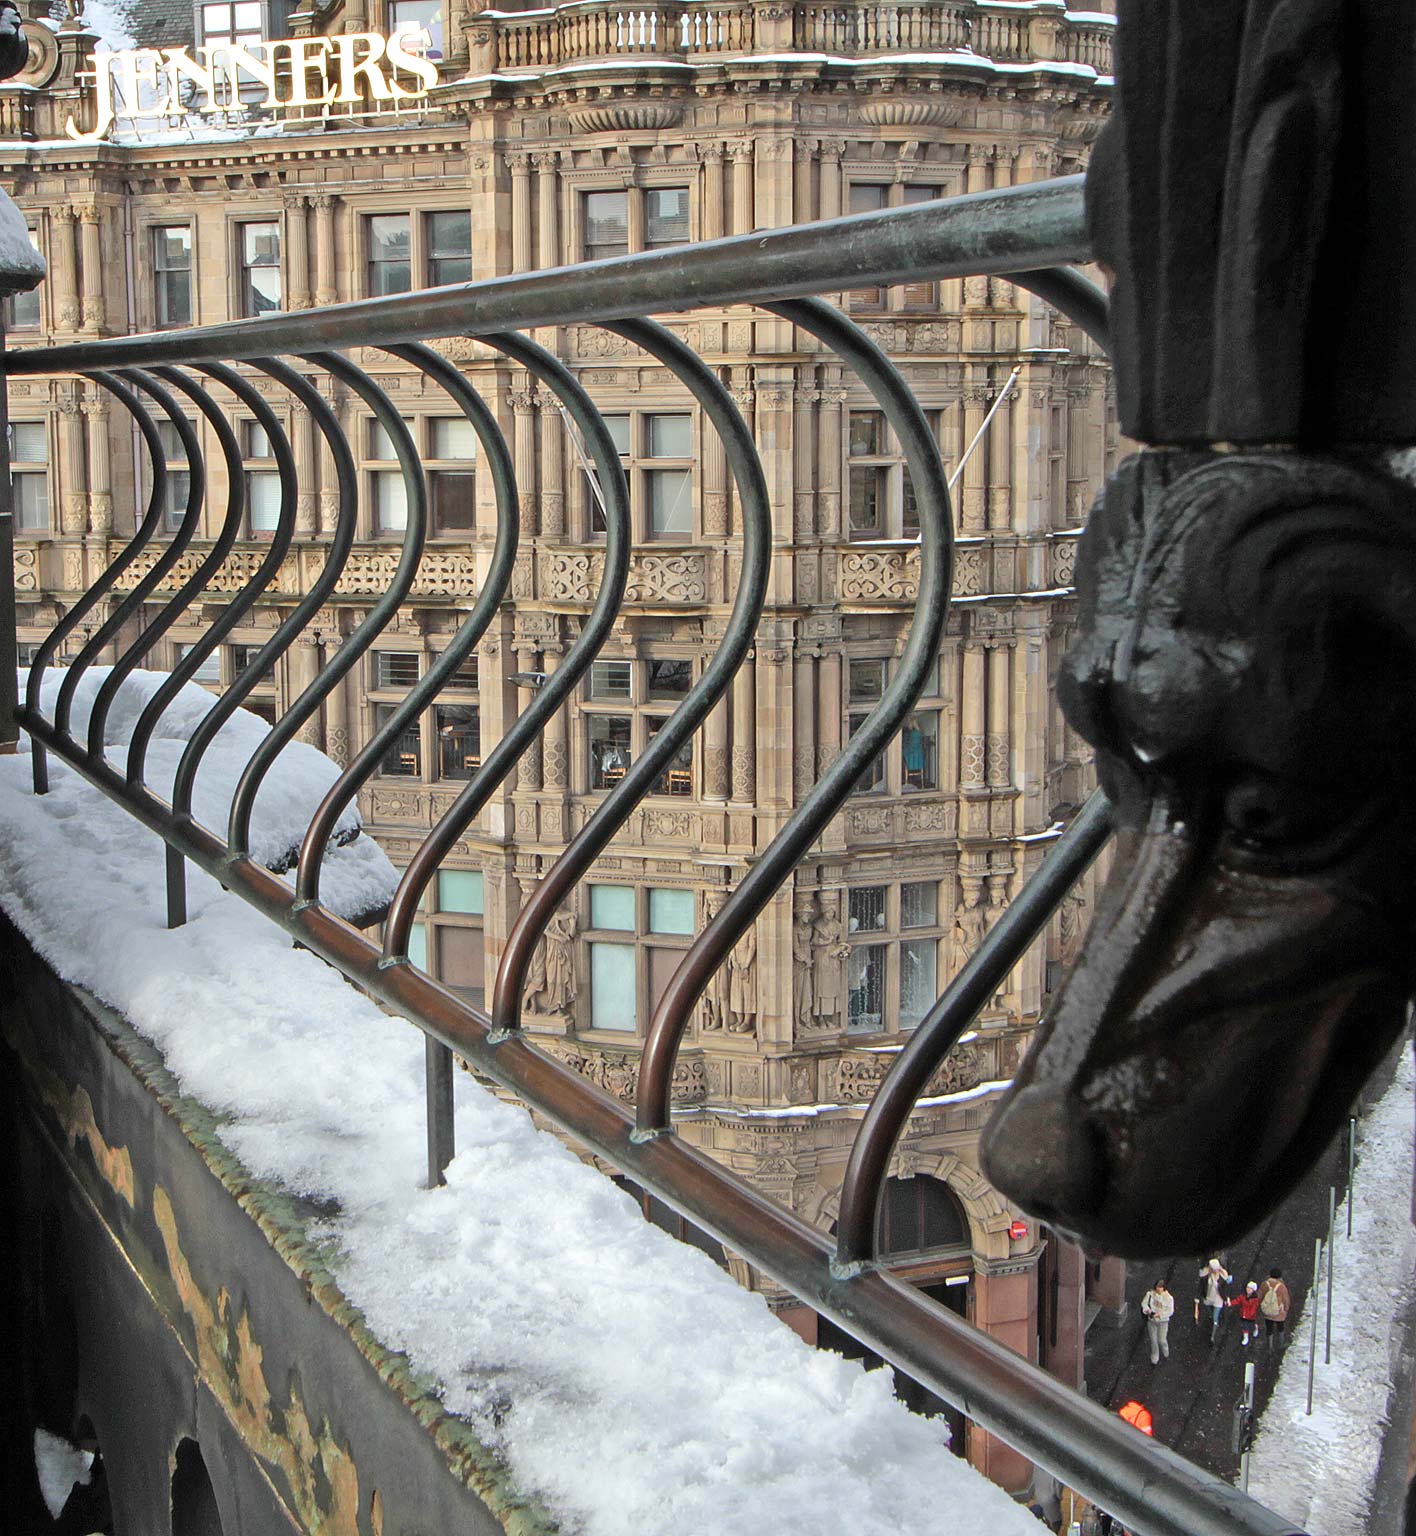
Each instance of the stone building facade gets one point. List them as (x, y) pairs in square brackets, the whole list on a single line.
[(551, 136)]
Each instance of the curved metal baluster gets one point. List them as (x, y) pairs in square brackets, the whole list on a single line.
[(196, 583), (1076, 297), (238, 835), (497, 763), (710, 949), (174, 551), (469, 632), (339, 548), (939, 1031), (612, 811), (265, 573), (107, 579)]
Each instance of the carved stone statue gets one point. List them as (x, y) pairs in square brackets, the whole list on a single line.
[(803, 974), (742, 984), (713, 1006), (550, 982), (829, 951), (1246, 661), (970, 921)]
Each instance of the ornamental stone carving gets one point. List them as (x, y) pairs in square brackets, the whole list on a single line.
[(26, 566), (853, 1078), (617, 1072), (442, 573), (572, 575), (625, 116), (550, 982), (234, 574), (878, 575)]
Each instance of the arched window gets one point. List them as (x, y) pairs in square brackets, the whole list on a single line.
[(919, 1215)]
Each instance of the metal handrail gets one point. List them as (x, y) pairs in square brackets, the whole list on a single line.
[(1018, 233)]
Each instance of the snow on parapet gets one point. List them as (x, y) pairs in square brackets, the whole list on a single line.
[(629, 1383), (357, 877)]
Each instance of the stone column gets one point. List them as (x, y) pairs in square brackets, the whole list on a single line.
[(999, 448), (547, 208), (64, 270), (973, 748), (325, 290), (714, 470), (831, 185), (803, 199), (303, 446), (520, 166), (523, 447), (999, 718), (297, 253), (712, 222), (552, 499), (1078, 456), (716, 755), (745, 731), (336, 709), (304, 668), (100, 478), (528, 767), (830, 426), (73, 472), (91, 249), (973, 501), (329, 481), (828, 684), (740, 154), (803, 467), (1005, 1307), (556, 764), (803, 723)]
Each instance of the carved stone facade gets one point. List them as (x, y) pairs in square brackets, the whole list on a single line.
[(794, 1036)]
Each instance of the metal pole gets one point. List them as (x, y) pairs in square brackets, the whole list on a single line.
[(1351, 1165), (1332, 1218), (1313, 1297), (982, 432), (9, 646), (1248, 1424)]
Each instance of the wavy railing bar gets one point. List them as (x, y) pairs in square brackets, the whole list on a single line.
[(1040, 224), (1146, 1485)]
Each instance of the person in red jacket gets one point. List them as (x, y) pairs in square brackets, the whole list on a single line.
[(1248, 1305)]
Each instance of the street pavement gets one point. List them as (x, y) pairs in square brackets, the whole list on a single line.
[(1192, 1394)]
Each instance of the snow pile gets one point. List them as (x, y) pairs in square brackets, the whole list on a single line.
[(628, 1382), (1320, 1471), (356, 877), (59, 1465)]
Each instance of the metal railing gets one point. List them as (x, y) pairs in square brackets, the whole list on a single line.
[(1028, 234)]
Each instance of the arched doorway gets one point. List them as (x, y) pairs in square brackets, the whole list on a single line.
[(924, 1236)]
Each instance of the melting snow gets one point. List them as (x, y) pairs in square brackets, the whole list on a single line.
[(628, 1381), (1320, 1471)]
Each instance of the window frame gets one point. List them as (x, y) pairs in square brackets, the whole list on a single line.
[(900, 298), (23, 471), (646, 713), (434, 920), (155, 245), (891, 937), (886, 462), (636, 200), (641, 469), (422, 260), (243, 266), (641, 937), (462, 691)]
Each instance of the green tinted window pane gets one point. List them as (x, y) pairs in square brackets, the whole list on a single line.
[(670, 911), (418, 946), (612, 906), (612, 992), (866, 432), (610, 679), (460, 890)]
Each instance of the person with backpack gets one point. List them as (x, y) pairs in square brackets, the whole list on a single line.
[(1248, 1305), (1274, 1306)]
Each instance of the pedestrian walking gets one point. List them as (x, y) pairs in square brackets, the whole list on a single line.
[(1274, 1306), (1209, 1293), (1248, 1305), (1158, 1307)]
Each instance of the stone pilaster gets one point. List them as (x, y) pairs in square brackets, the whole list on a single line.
[(713, 190), (745, 732), (303, 445), (740, 153), (803, 723), (520, 166), (73, 470), (297, 252), (95, 311), (326, 290), (523, 447), (63, 267), (100, 465)]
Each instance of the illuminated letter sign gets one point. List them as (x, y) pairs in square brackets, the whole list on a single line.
[(360, 73)]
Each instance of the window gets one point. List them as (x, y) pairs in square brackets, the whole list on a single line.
[(452, 482), (920, 1214), (656, 449), (449, 239), (872, 197), (403, 253), (427, 14), (447, 941), (881, 500), (632, 219), (209, 670), (239, 23), (389, 497), (616, 738), (172, 274), (637, 936), (865, 683), (178, 484), (919, 750), (447, 739), (892, 971), (21, 310), (910, 763), (262, 481), (261, 700), (29, 476), (260, 269), (390, 254)]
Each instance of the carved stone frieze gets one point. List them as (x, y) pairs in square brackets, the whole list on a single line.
[(573, 575), (26, 565), (234, 574), (854, 1076), (617, 1072)]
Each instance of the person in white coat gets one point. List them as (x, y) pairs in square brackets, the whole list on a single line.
[(1158, 1307)]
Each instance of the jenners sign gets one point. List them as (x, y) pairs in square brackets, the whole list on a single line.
[(360, 72)]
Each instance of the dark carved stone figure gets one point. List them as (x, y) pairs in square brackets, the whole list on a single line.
[(1247, 663), (14, 49)]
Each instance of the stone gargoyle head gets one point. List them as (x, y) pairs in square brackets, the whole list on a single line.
[(1247, 675)]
